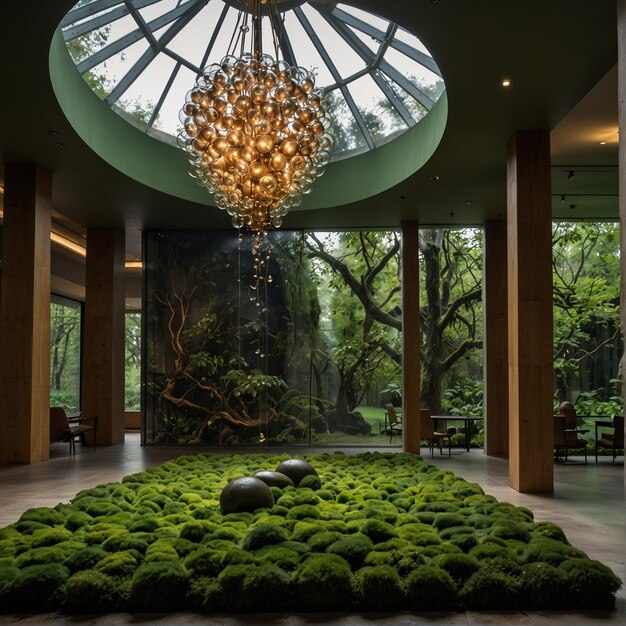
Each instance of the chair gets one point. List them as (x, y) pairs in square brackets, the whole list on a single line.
[(428, 432), (566, 439), (63, 428), (614, 441), (395, 422)]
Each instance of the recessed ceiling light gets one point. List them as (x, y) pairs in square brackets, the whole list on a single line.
[(603, 143), (54, 133), (468, 202), (435, 178), (60, 145), (506, 82), (402, 197)]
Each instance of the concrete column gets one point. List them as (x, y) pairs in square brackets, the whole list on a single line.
[(25, 315), (496, 338), (103, 340), (410, 337), (529, 224)]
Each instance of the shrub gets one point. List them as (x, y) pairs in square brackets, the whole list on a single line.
[(319, 542), (549, 551), (406, 561), (84, 559), (459, 566), (550, 530), (145, 523), (264, 535), (490, 550), (159, 586), (511, 529), (378, 531), (323, 582), (120, 543), (118, 564), (591, 584), (43, 515), (266, 588), (89, 591), (205, 562), (380, 588), (489, 588), (41, 556), (353, 548), (304, 511), (77, 520), (446, 520), (161, 550), (284, 558), (431, 588), (543, 586), (36, 586)]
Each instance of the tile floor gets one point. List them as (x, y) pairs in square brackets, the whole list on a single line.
[(588, 503)]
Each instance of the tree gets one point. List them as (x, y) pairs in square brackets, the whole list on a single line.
[(363, 340), (81, 48), (586, 271), (451, 311)]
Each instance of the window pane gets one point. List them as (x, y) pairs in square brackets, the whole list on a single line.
[(132, 395), (65, 339)]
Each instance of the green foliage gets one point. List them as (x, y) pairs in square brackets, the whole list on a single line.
[(490, 588), (84, 559), (459, 566), (431, 588), (43, 515), (323, 582), (159, 586), (353, 548), (263, 535), (36, 586), (380, 588), (311, 554), (550, 551), (591, 584), (89, 592), (543, 586)]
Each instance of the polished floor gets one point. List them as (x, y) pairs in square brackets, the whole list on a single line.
[(588, 503)]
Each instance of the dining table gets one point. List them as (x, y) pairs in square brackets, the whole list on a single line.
[(467, 420)]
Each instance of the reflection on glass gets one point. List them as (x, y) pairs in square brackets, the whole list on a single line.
[(65, 340)]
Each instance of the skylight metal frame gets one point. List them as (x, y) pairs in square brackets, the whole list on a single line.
[(88, 18)]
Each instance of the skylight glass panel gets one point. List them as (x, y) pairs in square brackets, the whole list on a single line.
[(142, 54)]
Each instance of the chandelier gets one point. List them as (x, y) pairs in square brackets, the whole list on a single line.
[(255, 129)]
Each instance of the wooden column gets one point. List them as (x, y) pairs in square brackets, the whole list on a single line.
[(529, 224), (103, 342), (410, 337), (621, 103), (25, 315), (496, 338)]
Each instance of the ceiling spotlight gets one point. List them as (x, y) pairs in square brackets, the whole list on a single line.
[(435, 178), (506, 82), (602, 143), (562, 198), (54, 133), (570, 174), (468, 203)]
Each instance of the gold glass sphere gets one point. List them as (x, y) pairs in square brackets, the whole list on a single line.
[(256, 134)]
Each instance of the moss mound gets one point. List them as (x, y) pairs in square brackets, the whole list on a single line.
[(374, 531)]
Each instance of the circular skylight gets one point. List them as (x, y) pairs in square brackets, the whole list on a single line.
[(142, 56)]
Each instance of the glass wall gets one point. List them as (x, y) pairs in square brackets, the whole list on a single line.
[(291, 350), (132, 375), (65, 353)]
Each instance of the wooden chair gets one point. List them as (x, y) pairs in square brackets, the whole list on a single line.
[(614, 441), (428, 432), (63, 428), (395, 422), (566, 439)]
